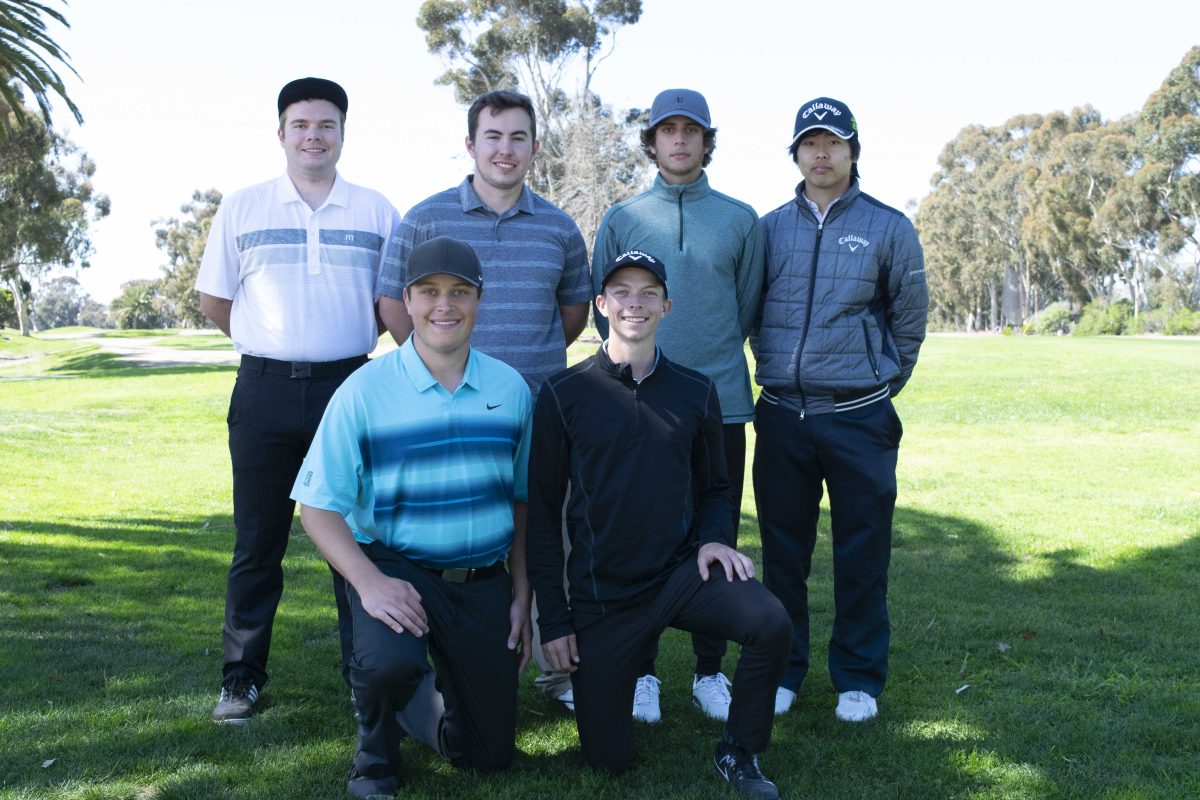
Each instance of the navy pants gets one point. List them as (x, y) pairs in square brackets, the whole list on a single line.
[(854, 454), (272, 420), (611, 645), (472, 717)]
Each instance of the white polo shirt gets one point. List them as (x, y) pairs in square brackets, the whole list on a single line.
[(303, 282)]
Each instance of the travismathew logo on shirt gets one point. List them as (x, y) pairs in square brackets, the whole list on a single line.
[(854, 242)]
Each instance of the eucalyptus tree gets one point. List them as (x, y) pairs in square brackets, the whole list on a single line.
[(182, 240), (550, 50), (47, 203)]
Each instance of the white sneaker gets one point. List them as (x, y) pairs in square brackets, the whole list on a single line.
[(856, 706), (711, 693), (783, 700), (567, 698), (645, 699)]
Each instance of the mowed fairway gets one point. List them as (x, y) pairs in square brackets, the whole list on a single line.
[(1045, 597)]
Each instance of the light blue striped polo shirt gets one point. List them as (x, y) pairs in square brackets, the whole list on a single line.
[(429, 473), (534, 260)]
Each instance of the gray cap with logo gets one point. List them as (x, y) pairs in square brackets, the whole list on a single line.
[(685, 102)]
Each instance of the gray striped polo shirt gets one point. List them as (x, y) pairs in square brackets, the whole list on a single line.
[(534, 260)]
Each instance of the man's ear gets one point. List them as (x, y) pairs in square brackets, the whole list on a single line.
[(666, 306), (600, 305)]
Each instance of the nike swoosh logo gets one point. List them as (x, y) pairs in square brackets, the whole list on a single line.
[(491, 407)]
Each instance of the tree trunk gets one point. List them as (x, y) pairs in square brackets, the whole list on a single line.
[(19, 301), (994, 311)]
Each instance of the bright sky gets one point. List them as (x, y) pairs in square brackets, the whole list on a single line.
[(180, 95)]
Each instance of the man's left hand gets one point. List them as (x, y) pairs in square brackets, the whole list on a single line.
[(520, 634), (734, 562)]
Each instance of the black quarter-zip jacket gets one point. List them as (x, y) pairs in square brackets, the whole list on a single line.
[(649, 485)]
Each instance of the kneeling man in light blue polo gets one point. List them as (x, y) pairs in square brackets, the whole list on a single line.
[(415, 491)]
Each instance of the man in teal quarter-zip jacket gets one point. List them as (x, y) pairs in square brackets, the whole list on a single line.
[(715, 249)]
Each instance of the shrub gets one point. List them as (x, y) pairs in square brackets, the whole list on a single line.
[(1105, 319), (1152, 321), (1054, 319), (1183, 323)]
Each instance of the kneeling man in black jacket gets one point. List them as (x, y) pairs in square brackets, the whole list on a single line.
[(650, 525)]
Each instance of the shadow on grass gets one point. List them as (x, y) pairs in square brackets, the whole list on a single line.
[(110, 651), (102, 364)]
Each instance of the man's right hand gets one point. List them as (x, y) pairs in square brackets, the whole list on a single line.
[(395, 603), (562, 654)]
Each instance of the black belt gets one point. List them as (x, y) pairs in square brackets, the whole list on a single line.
[(304, 369), (467, 574)]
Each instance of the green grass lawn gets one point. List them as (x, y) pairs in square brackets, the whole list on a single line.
[(1045, 599)]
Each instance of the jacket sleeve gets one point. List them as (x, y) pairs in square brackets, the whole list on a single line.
[(748, 275), (544, 558), (713, 520), (604, 250), (756, 321), (908, 300)]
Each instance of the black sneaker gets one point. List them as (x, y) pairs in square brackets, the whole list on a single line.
[(363, 788), (238, 696), (740, 770)]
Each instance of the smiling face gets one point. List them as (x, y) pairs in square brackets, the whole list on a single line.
[(311, 135), (503, 148), (679, 149), (634, 303), (443, 310)]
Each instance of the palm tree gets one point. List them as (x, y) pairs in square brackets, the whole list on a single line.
[(26, 55)]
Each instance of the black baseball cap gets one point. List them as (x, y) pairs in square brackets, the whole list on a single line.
[(312, 89), (444, 256), (636, 258), (825, 113)]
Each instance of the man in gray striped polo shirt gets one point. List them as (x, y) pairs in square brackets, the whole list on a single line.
[(534, 259)]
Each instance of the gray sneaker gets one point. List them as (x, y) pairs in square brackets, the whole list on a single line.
[(236, 705)]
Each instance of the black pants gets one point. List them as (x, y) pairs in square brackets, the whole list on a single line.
[(854, 454), (710, 650), (611, 646), (272, 420), (474, 721)]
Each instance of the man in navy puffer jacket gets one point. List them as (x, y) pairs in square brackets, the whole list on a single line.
[(842, 321)]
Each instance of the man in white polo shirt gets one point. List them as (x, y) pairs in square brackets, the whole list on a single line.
[(289, 273)]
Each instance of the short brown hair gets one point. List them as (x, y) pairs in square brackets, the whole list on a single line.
[(497, 101)]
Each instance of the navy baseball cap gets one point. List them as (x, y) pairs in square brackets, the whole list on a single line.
[(312, 89), (690, 104), (825, 113), (636, 258), (444, 256)]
